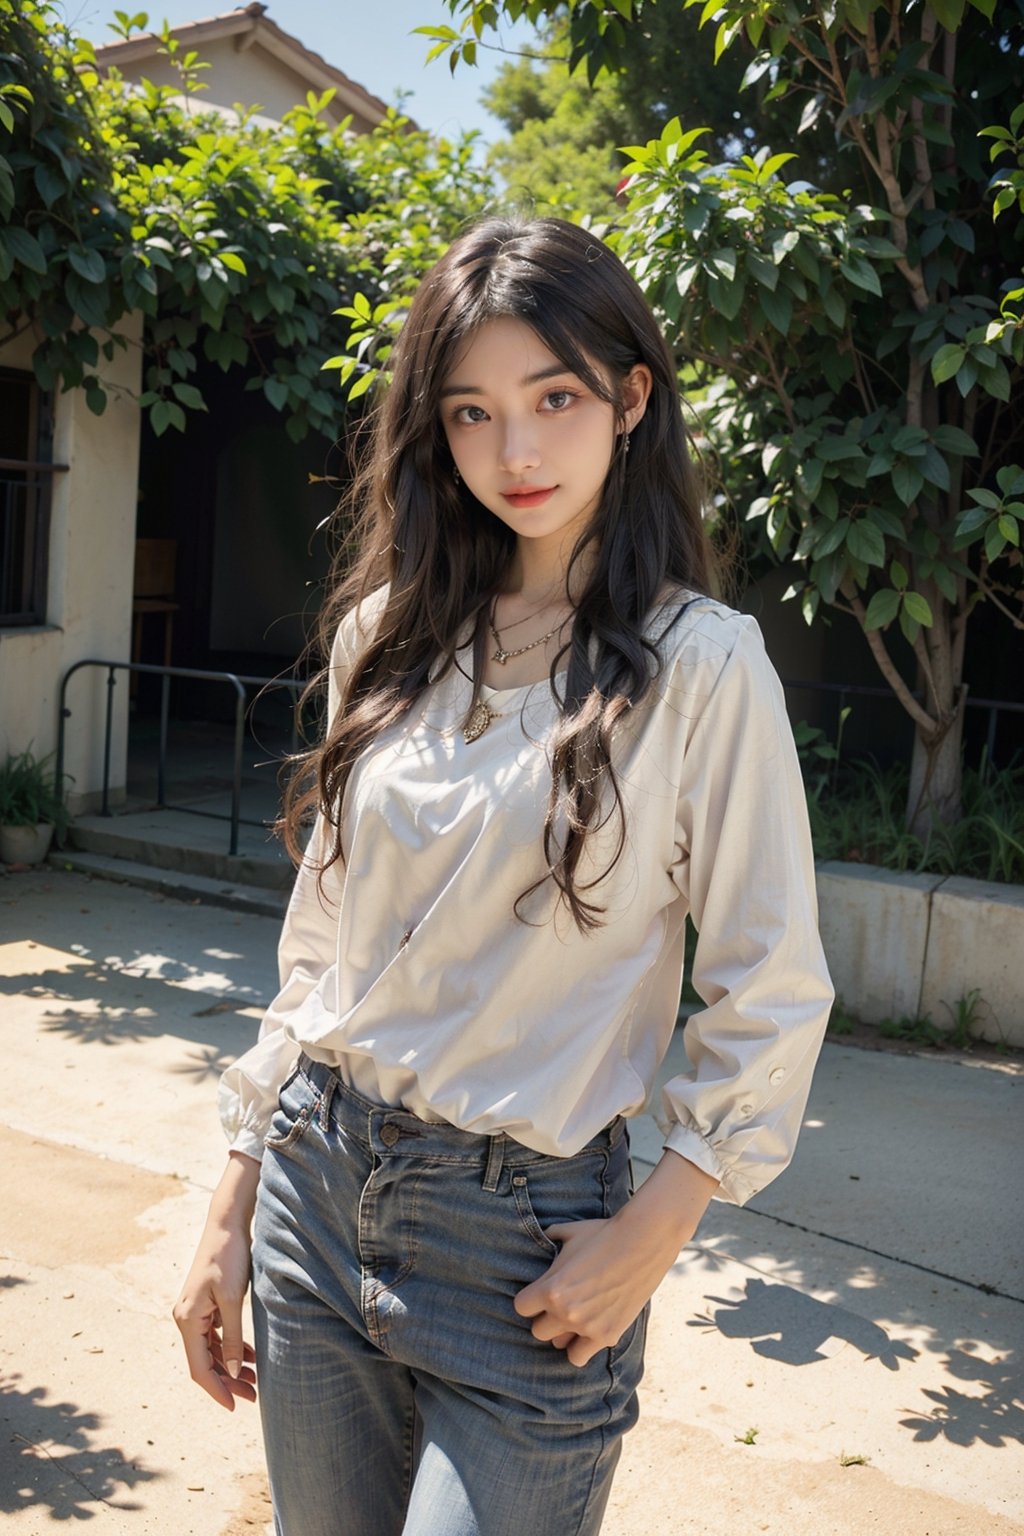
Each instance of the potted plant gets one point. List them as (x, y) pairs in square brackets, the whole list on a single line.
[(31, 808)]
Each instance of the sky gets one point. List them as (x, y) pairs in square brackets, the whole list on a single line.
[(368, 39)]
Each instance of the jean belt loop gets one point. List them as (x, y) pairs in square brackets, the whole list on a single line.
[(324, 1108), (495, 1162)]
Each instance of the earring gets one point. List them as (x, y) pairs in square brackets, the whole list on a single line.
[(625, 444), (456, 476)]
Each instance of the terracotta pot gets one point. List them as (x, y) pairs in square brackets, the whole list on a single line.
[(25, 845)]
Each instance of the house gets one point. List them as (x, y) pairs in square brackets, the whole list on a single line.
[(221, 518), (252, 61)]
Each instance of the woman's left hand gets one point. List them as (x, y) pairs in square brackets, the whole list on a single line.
[(608, 1270)]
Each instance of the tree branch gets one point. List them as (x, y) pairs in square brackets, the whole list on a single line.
[(988, 592), (887, 666)]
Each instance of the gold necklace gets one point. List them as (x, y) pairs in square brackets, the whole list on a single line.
[(501, 655), (517, 622)]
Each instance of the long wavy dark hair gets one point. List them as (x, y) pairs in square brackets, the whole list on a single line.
[(443, 557)]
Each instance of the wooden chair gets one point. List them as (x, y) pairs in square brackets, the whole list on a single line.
[(153, 592)]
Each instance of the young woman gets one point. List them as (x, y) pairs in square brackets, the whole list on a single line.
[(546, 744)]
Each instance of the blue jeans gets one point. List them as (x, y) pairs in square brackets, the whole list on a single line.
[(401, 1393)]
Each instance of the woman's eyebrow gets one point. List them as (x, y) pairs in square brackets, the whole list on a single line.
[(531, 378)]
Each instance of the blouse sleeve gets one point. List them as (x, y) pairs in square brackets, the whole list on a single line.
[(306, 956), (746, 866)]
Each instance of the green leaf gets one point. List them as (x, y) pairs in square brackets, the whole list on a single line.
[(898, 575), (783, 243), (189, 396), (809, 475), (995, 380), (918, 608), (835, 449), (685, 274), (276, 391), (946, 362), (25, 248), (234, 262), (726, 298), (866, 543), (1010, 479), (833, 536), (949, 12), (50, 184), (954, 440), (1010, 530), (907, 482), (882, 608), (995, 543), (911, 441), (778, 308), (936, 470), (722, 263), (862, 274), (835, 307), (362, 384), (764, 270), (89, 265), (909, 625)]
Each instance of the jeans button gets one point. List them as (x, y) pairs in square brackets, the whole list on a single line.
[(389, 1133)]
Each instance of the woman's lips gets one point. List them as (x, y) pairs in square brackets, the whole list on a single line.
[(532, 498)]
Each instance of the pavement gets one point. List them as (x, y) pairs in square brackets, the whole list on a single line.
[(841, 1357)]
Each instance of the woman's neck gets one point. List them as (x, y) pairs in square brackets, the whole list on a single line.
[(538, 572)]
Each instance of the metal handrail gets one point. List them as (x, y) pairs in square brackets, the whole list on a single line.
[(238, 682), (874, 691)]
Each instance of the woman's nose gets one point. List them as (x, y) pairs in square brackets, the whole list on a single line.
[(519, 449)]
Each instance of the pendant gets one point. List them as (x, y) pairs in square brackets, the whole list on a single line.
[(479, 719), (501, 656)]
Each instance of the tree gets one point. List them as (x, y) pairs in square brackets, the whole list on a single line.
[(235, 241), (860, 346), (564, 132)]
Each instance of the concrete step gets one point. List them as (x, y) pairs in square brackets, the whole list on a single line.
[(183, 885), (188, 844)]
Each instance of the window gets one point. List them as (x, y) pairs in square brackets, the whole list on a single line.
[(26, 477)]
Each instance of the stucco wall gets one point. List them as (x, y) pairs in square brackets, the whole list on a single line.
[(250, 77), (89, 599)]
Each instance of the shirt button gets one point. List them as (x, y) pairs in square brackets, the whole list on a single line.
[(746, 1110), (777, 1077), (389, 1133)]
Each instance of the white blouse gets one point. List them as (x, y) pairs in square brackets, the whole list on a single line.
[(416, 981)]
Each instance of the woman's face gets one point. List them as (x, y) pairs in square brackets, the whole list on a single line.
[(528, 437)]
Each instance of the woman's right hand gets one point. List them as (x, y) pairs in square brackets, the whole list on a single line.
[(209, 1310)]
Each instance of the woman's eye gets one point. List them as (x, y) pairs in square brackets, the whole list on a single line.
[(559, 399), (469, 414)]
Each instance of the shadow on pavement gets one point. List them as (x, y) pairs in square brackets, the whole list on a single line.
[(996, 1417), (788, 1325), (49, 1458)]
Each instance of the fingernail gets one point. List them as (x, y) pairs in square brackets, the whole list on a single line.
[(233, 1367)]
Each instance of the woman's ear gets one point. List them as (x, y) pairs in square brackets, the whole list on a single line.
[(636, 391)]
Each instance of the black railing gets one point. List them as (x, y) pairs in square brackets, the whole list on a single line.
[(862, 690), (239, 682)]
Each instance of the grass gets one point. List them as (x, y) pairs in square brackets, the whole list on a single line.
[(857, 812)]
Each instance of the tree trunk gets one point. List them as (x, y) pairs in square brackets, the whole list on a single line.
[(936, 774)]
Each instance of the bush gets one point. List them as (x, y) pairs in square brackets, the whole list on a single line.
[(29, 793)]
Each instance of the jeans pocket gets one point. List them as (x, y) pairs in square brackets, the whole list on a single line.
[(557, 1189), (297, 1104), (527, 1217)]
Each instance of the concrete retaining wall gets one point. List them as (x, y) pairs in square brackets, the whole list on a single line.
[(917, 946)]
